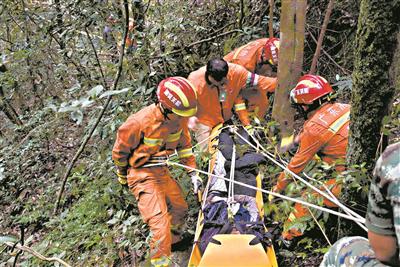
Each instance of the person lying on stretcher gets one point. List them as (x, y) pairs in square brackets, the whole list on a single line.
[(233, 211)]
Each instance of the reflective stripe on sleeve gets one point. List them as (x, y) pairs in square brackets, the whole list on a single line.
[(174, 137), (240, 106), (252, 79), (292, 217), (120, 164), (336, 125), (184, 153), (152, 141)]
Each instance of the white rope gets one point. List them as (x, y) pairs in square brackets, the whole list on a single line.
[(362, 220), (333, 200), (330, 197), (333, 197), (232, 176), (346, 209), (357, 218)]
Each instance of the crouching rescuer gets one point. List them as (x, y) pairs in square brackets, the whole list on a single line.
[(325, 133), (147, 138)]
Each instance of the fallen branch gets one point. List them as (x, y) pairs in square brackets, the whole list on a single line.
[(87, 138), (22, 240), (321, 36), (36, 254)]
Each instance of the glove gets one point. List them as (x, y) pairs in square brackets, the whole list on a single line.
[(289, 144), (197, 182), (121, 173)]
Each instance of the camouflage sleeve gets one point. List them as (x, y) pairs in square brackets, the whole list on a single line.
[(350, 251), (379, 214), (384, 193)]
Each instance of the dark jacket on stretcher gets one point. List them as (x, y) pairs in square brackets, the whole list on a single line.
[(246, 160)]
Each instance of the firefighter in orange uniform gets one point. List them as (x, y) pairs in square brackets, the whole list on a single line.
[(149, 136), (218, 86), (261, 57), (325, 133)]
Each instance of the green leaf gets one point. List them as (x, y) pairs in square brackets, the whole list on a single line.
[(386, 120), (77, 116), (4, 239), (68, 109), (115, 92), (95, 91)]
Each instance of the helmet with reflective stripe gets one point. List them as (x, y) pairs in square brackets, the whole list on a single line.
[(309, 88), (178, 95), (271, 51)]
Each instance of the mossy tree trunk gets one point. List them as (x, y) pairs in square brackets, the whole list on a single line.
[(290, 62), (373, 89)]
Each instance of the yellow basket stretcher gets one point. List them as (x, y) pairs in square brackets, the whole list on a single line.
[(234, 249)]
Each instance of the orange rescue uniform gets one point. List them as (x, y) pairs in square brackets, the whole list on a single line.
[(145, 135), (211, 111), (248, 56), (325, 134)]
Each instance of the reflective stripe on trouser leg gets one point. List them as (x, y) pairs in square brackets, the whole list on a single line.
[(163, 261)]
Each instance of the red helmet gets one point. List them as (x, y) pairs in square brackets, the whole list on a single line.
[(178, 95), (309, 88), (271, 51)]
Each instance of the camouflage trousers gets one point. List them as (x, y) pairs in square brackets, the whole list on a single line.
[(352, 251)]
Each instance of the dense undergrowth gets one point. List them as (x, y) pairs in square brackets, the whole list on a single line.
[(56, 86)]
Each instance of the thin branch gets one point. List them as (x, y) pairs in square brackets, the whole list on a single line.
[(224, 27), (271, 18), (147, 7), (321, 36), (97, 58), (37, 254), (329, 56), (241, 15), (87, 138)]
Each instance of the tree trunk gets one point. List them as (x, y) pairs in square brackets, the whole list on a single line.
[(290, 62), (271, 18), (8, 110), (373, 89), (5, 106)]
